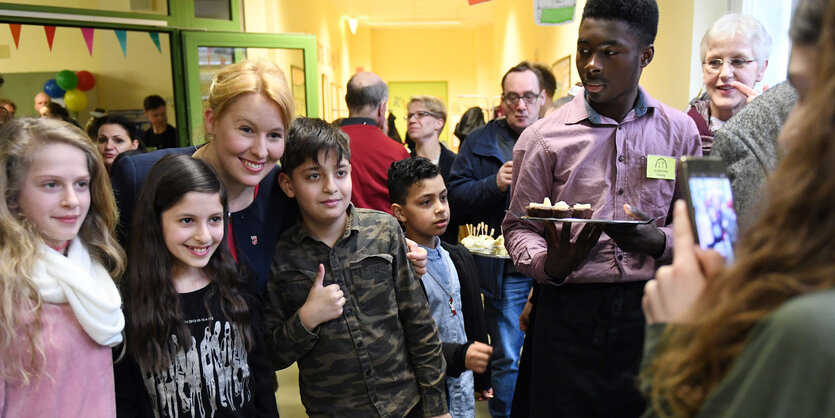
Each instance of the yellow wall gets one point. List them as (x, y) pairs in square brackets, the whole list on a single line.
[(472, 60), (667, 78)]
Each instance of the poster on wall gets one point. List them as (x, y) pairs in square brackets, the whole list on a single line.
[(553, 12), (562, 72)]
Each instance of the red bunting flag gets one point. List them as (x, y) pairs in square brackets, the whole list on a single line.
[(88, 38), (50, 35), (472, 2), (15, 28)]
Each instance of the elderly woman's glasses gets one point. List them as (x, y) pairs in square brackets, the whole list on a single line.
[(420, 114), (716, 64)]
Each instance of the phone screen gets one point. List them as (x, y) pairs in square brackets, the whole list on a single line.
[(713, 212)]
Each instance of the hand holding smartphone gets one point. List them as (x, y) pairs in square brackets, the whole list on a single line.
[(707, 190)]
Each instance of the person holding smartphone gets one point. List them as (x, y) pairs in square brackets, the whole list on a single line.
[(755, 339)]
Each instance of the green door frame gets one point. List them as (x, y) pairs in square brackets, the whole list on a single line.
[(191, 41)]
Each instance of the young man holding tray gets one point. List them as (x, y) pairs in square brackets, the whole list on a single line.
[(612, 145)]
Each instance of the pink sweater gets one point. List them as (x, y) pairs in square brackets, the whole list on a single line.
[(77, 380)]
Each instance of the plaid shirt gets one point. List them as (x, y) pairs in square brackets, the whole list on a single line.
[(383, 354)]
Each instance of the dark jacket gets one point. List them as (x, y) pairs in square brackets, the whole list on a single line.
[(256, 228), (474, 196), (473, 311)]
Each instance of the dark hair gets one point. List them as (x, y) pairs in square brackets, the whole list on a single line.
[(10, 103), (128, 125), (5, 116), (57, 111), (807, 22), (640, 15), (153, 102), (122, 121), (524, 66), (549, 82), (309, 136), (152, 304), (471, 119), (407, 172), (358, 97)]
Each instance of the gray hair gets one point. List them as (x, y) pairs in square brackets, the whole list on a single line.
[(357, 97), (746, 26)]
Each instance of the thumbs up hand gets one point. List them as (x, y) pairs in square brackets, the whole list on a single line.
[(323, 302)]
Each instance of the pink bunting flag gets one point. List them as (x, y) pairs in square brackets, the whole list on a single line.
[(88, 38), (50, 35), (15, 28), (122, 35)]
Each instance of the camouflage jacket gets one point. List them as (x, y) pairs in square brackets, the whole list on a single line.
[(383, 354)]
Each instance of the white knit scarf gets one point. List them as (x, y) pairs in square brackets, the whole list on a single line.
[(83, 283)]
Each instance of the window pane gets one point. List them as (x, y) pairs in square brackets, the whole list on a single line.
[(213, 9), (159, 7), (291, 62)]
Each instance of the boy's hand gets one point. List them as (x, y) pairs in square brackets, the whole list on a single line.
[(323, 302), (478, 355), (484, 395), (417, 256)]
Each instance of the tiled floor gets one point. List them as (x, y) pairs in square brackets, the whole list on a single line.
[(289, 405)]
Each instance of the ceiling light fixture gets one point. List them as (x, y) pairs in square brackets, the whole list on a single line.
[(352, 24)]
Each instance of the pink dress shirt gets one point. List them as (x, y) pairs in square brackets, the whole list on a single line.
[(579, 156)]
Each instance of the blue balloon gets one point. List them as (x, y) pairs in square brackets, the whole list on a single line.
[(52, 90)]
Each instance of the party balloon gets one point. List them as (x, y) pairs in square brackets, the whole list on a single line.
[(75, 100), (86, 81), (52, 90), (66, 80)]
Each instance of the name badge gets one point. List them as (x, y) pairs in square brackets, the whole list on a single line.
[(661, 167)]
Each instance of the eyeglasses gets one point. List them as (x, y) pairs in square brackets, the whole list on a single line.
[(716, 64), (420, 114), (512, 98)]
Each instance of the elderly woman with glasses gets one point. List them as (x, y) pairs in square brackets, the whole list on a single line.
[(426, 118), (734, 53)]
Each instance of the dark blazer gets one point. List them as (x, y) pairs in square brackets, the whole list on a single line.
[(473, 311), (255, 229)]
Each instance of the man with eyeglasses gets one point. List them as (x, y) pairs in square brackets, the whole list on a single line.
[(588, 332), (372, 152), (479, 190)]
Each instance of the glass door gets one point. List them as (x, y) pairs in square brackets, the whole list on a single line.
[(205, 53)]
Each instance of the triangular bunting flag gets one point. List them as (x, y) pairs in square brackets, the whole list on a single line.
[(155, 38), (88, 37), (15, 28), (50, 35), (123, 41), (472, 2)]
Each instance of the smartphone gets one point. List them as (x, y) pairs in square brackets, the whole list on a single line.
[(710, 202)]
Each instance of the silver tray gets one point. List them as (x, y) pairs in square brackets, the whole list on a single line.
[(589, 221)]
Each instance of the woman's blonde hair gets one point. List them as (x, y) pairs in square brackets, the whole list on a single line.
[(787, 253), (21, 350), (251, 76)]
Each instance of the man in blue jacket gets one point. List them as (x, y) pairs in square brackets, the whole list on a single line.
[(478, 189)]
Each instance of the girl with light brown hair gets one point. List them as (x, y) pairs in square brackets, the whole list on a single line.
[(60, 311)]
